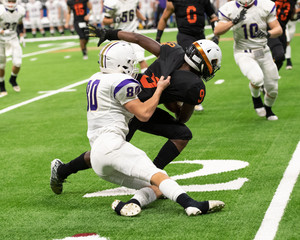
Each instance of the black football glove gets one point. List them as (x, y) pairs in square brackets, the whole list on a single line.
[(102, 33), (240, 17), (262, 34), (215, 39)]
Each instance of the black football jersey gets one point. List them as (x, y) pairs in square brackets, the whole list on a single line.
[(284, 11), (190, 15), (79, 8), (185, 86)]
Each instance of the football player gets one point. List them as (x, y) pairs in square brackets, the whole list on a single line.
[(53, 13), (11, 15), (96, 17), (112, 102), (249, 20), (190, 19), (285, 9), (187, 70), (123, 14), (35, 14), (81, 18)]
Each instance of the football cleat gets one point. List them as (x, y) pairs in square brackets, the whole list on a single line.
[(261, 112), (199, 107), (85, 57), (56, 183), (272, 118), (3, 94), (289, 67), (127, 210), (213, 206), (16, 88)]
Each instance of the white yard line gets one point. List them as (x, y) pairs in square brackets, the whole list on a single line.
[(42, 96), (270, 223)]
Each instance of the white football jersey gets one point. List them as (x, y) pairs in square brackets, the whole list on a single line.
[(106, 95), (9, 21), (126, 9), (257, 17), (53, 7), (34, 9)]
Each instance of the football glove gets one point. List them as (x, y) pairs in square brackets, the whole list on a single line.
[(240, 17), (262, 34), (102, 33), (215, 39)]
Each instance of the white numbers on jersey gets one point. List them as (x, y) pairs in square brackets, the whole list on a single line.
[(209, 167)]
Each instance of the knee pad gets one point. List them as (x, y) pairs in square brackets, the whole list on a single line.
[(182, 132)]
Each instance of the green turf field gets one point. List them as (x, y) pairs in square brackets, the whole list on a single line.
[(241, 157)]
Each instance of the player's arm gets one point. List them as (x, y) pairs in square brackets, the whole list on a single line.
[(140, 16), (116, 34), (183, 111), (144, 110), (87, 17), (275, 29), (68, 17), (163, 20), (222, 27)]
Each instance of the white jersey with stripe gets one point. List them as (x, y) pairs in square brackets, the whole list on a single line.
[(106, 96), (126, 9), (9, 21), (258, 16)]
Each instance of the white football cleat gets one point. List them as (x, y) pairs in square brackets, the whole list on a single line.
[(85, 57), (199, 107), (128, 210), (272, 118), (3, 94), (214, 206), (261, 112), (16, 88), (56, 183)]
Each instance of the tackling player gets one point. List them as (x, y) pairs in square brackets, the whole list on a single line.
[(11, 15), (187, 70), (249, 20)]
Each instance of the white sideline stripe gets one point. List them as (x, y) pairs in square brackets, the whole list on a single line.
[(270, 223), (43, 96)]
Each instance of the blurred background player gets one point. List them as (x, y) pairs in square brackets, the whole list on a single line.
[(63, 16), (11, 15), (290, 32), (81, 17), (284, 11), (53, 15), (249, 20), (190, 19), (147, 9), (34, 15), (97, 9), (123, 14)]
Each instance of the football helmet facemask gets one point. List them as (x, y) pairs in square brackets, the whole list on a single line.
[(205, 57), (245, 3), (10, 4), (118, 57)]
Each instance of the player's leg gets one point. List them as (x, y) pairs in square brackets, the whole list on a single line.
[(17, 62), (290, 32), (251, 69), (178, 134), (278, 51), (3, 91), (270, 85)]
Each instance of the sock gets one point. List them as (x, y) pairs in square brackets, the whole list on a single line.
[(84, 52), (166, 155), (288, 52), (2, 85), (72, 167), (268, 111), (255, 92), (257, 102), (12, 79), (170, 189), (186, 201), (143, 197)]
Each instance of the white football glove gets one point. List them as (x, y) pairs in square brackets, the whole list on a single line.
[(6, 32)]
